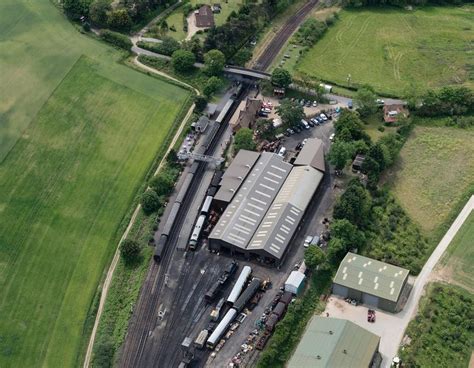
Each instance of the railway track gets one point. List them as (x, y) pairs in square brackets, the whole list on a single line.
[(274, 47), (135, 351)]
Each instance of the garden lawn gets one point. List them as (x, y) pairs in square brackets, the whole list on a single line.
[(391, 49), (434, 171), (64, 190), (458, 261)]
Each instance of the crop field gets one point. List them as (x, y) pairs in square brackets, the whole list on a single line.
[(457, 265), (426, 48), (432, 173), (78, 132)]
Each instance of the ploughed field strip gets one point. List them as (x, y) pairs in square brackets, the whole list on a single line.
[(64, 189)]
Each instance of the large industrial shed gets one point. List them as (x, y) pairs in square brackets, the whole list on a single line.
[(371, 282), (234, 176), (266, 211), (336, 343), (243, 215)]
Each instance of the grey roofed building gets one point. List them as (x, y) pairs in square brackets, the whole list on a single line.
[(312, 154), (336, 343), (370, 281), (282, 219), (243, 215), (235, 175)]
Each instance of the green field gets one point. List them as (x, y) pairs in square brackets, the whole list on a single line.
[(432, 173), (392, 49), (458, 262), (78, 132)]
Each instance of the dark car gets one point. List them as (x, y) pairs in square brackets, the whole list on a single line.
[(297, 129), (311, 124)]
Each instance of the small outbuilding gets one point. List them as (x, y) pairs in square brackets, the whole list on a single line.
[(357, 163), (371, 282), (295, 282), (336, 343), (391, 113)]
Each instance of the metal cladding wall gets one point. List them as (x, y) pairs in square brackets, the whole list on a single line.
[(247, 294), (239, 285), (221, 327), (368, 299)]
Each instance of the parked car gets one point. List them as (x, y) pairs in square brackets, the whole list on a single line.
[(371, 316), (323, 116), (308, 103), (314, 121), (349, 104), (316, 241), (320, 121), (304, 142), (311, 123), (297, 129), (315, 103), (302, 102), (304, 124), (332, 136), (282, 152), (307, 241), (290, 131), (380, 102), (263, 114)]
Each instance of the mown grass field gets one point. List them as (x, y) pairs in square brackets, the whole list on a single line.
[(78, 132), (433, 172), (457, 265), (392, 49)]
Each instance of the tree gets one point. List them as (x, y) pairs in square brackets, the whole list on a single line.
[(200, 102), (150, 202), (183, 61), (349, 234), (76, 8), (213, 84), (98, 12), (163, 183), (168, 46), (336, 250), (350, 121), (242, 56), (244, 140), (119, 20), (379, 154), (214, 62), (339, 154), (130, 250), (313, 257), (281, 78), (366, 100), (354, 204), (290, 112)]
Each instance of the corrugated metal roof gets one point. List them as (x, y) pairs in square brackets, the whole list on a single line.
[(371, 276), (243, 215), (282, 219), (334, 343), (312, 154), (235, 174)]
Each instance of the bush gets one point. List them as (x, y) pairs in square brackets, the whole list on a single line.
[(183, 61), (119, 20), (150, 202), (103, 353), (311, 31), (447, 101), (130, 250), (166, 47), (200, 102), (213, 85), (116, 39), (244, 140), (163, 183)]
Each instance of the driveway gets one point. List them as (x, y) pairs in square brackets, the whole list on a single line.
[(391, 327)]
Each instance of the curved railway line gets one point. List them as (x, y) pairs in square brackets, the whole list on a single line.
[(274, 47), (145, 318)]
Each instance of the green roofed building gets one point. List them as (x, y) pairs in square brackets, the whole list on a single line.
[(336, 343), (371, 282)]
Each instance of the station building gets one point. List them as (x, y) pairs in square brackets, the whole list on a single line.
[(371, 282)]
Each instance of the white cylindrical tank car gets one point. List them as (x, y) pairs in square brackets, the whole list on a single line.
[(239, 285), (196, 232), (221, 328)]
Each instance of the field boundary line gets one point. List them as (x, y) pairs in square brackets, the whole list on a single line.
[(411, 308), (113, 265)]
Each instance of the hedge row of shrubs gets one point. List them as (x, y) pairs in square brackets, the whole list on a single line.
[(116, 39)]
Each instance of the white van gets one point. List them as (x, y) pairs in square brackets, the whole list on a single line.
[(282, 152)]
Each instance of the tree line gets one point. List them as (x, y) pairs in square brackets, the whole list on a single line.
[(401, 3)]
